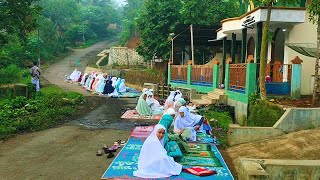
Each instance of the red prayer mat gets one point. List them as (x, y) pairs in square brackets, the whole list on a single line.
[(133, 114), (141, 131)]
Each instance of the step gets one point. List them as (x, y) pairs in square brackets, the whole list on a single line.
[(219, 91), (214, 95), (200, 102), (209, 99)]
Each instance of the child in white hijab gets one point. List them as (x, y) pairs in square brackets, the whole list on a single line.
[(188, 122), (153, 160)]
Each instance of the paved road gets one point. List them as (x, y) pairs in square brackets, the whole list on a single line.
[(68, 151)]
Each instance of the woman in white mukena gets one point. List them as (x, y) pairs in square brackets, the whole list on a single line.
[(153, 160)]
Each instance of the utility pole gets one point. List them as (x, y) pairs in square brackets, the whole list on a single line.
[(192, 48), (172, 49)]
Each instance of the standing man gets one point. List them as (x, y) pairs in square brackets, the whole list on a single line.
[(35, 73)]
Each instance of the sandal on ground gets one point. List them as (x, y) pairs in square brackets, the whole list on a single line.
[(111, 155), (109, 150), (136, 124), (144, 124), (99, 153), (105, 147)]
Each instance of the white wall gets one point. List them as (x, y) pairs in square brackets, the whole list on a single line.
[(304, 33)]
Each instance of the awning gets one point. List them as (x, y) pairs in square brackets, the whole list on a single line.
[(307, 49), (218, 39)]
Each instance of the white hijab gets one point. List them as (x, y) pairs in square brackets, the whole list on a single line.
[(178, 95), (151, 101), (83, 78), (114, 81), (100, 80), (188, 120), (122, 87), (153, 160)]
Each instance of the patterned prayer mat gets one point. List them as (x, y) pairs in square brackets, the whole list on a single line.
[(126, 161), (204, 138), (141, 131), (133, 114)]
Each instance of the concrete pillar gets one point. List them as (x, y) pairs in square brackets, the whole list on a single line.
[(216, 77), (189, 75), (169, 73), (224, 58), (227, 75), (251, 78), (244, 46), (296, 77), (233, 47)]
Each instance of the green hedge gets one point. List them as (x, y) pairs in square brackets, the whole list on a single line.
[(49, 107), (263, 113)]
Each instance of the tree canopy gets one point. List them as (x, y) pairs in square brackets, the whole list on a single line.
[(155, 20)]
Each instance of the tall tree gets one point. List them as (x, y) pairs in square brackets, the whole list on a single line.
[(155, 24), (264, 44), (18, 16), (314, 16)]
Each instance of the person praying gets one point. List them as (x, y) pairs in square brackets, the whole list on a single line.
[(187, 124), (142, 107), (153, 161), (122, 86)]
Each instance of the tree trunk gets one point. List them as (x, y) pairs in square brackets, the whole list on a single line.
[(263, 54), (316, 78)]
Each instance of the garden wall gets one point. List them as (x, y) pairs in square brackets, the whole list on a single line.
[(124, 56), (294, 119)]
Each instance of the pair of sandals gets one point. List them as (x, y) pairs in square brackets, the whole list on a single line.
[(141, 124), (106, 149)]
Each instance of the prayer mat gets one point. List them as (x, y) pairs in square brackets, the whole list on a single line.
[(199, 147), (200, 161), (133, 114), (203, 137), (204, 154), (141, 131), (128, 95), (126, 162)]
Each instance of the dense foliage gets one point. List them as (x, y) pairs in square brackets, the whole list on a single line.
[(263, 113), (32, 29), (46, 109), (154, 20)]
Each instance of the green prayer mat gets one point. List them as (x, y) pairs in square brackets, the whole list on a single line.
[(204, 154), (199, 147), (200, 161)]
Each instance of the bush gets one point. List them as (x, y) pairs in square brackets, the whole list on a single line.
[(49, 107), (263, 113), (10, 74), (223, 119)]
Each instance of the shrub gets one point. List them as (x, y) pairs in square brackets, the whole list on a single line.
[(139, 77), (263, 113), (49, 107), (10, 74), (223, 119)]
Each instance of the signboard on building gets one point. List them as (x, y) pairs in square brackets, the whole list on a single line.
[(249, 22)]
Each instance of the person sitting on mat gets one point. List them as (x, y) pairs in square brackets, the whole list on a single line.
[(187, 124), (143, 108), (122, 86), (153, 160), (153, 103)]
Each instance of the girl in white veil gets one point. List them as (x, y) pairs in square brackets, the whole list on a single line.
[(153, 160)]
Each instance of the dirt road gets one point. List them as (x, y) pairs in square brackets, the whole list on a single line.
[(68, 151)]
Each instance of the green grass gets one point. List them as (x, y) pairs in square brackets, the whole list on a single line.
[(223, 119), (47, 108)]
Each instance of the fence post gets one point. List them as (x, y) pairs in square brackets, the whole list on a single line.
[(296, 77), (169, 73), (227, 75), (251, 77), (189, 75), (216, 73)]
